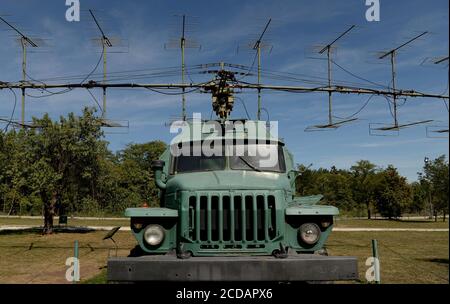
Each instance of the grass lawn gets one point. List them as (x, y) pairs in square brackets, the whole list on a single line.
[(35, 258), (405, 257)]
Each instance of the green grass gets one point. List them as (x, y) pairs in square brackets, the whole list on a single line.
[(36, 258), (100, 278), (405, 257)]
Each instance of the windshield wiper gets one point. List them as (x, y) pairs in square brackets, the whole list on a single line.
[(249, 164)]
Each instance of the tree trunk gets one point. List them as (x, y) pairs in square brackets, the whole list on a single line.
[(368, 211), (49, 212), (444, 217)]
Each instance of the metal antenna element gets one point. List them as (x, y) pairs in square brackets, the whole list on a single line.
[(327, 48), (27, 39), (257, 47), (24, 42), (183, 71), (106, 42), (182, 42), (106, 39), (442, 131), (402, 45), (441, 60), (392, 53)]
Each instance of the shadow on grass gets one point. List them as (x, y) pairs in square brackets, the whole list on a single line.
[(435, 260), (38, 230)]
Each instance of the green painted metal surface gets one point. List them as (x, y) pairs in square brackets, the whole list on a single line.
[(312, 210), (151, 212)]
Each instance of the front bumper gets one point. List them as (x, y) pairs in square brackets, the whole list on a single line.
[(302, 267)]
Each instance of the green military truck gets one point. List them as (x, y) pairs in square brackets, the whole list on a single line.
[(227, 218)]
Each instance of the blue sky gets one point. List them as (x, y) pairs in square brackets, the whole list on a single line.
[(222, 26)]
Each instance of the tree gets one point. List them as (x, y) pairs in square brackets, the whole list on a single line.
[(392, 193), (136, 173), (61, 153), (436, 178), (335, 187), (419, 197), (363, 183)]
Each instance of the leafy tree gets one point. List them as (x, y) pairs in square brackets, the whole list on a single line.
[(336, 189), (435, 178), (419, 197), (363, 186), (392, 193), (61, 153)]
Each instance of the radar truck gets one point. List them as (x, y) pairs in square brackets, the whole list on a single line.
[(225, 217)]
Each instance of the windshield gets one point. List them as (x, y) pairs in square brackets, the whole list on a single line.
[(252, 157), (268, 157), (199, 163)]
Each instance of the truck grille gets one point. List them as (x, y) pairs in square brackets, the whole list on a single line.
[(244, 218)]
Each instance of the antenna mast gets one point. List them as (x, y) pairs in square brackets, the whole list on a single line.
[(106, 42), (257, 47), (182, 45), (181, 42), (392, 53), (24, 40), (328, 49)]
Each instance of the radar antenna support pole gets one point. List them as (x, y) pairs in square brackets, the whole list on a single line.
[(183, 96), (330, 118), (328, 49), (104, 78), (105, 43), (257, 47), (392, 53), (394, 95), (24, 75), (259, 81)]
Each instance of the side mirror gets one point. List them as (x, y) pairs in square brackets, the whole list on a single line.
[(157, 167), (294, 176)]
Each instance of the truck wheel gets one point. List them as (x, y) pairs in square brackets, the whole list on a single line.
[(136, 252)]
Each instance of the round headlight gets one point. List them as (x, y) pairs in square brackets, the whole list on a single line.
[(154, 235), (309, 233)]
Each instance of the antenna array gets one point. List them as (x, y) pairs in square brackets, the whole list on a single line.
[(331, 125)]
